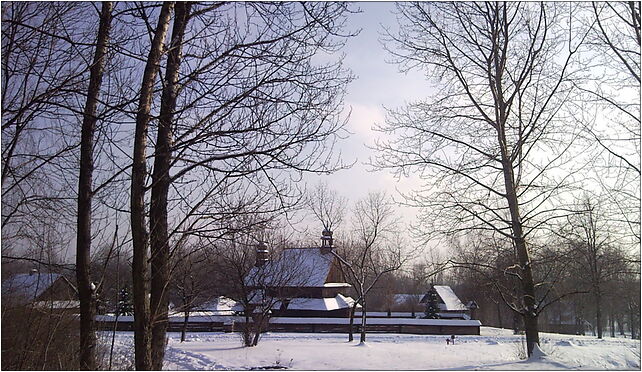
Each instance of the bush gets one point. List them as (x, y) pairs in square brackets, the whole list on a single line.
[(39, 339)]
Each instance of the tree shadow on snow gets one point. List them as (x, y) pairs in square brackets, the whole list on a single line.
[(517, 365)]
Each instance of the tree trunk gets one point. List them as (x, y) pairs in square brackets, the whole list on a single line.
[(499, 315), (633, 323), (185, 322), (351, 323), (598, 313), (86, 295), (515, 323), (495, 72), (247, 334), (159, 238), (620, 324), (363, 321), (258, 328), (113, 339), (140, 270), (528, 286), (257, 334)]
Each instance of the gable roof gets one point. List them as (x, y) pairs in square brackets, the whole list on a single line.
[(302, 303), (449, 297), (450, 300), (29, 286), (296, 267)]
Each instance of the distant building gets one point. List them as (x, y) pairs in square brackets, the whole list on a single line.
[(218, 306), (563, 317), (306, 281), (405, 299), (472, 306), (450, 307), (43, 290)]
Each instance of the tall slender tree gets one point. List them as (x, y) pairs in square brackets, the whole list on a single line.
[(235, 117), (140, 264), (489, 142), (86, 289), (161, 180)]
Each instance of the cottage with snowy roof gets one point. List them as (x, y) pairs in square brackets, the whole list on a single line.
[(449, 305), (45, 290), (306, 282)]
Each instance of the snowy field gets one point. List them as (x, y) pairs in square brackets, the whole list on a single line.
[(493, 349)]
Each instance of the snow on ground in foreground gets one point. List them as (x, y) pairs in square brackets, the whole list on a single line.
[(494, 349)]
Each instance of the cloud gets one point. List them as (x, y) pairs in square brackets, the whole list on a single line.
[(363, 119)]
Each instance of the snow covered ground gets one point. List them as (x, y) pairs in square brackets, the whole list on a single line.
[(493, 349)]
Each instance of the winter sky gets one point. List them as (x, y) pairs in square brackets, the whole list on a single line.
[(378, 84)]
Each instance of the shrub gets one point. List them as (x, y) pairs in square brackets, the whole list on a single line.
[(39, 339)]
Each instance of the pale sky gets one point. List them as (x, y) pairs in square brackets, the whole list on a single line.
[(377, 84)]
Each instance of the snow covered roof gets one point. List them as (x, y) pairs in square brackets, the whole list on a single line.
[(336, 285), (402, 298), (29, 286), (450, 299), (61, 304), (303, 303), (296, 267), (321, 304), (220, 304)]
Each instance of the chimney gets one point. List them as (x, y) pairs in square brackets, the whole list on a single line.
[(261, 254), (326, 241)]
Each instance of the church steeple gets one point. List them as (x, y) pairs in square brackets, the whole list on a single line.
[(326, 241)]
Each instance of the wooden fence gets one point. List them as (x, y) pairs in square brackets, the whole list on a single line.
[(310, 325)]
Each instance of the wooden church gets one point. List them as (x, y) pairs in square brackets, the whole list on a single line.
[(302, 282)]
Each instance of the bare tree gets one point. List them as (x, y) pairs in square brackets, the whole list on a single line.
[(43, 77), (594, 255), (41, 71), (159, 235), (485, 263), (86, 289), (249, 110), (375, 249), (140, 270), (502, 74), (617, 29), (49, 86), (609, 106), (258, 278), (327, 206), (241, 110), (191, 281)]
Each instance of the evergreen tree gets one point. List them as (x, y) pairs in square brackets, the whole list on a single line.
[(125, 306), (432, 304)]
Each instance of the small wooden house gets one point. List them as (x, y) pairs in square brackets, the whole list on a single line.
[(43, 290), (450, 307)]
